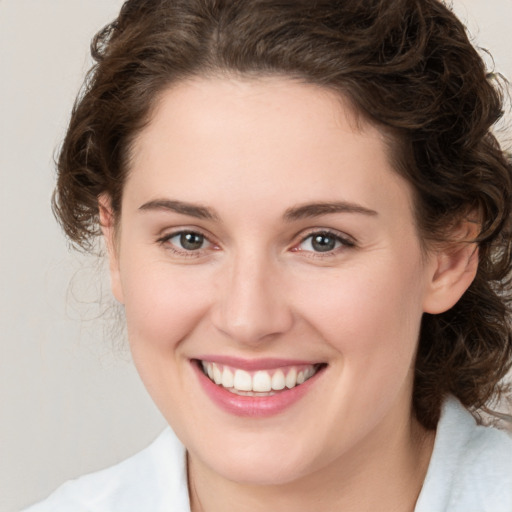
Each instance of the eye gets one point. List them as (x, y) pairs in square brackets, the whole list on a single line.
[(323, 242), (186, 241), (189, 241)]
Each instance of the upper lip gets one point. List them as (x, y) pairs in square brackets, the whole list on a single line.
[(267, 363)]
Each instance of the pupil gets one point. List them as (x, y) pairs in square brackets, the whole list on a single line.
[(323, 243), (191, 241)]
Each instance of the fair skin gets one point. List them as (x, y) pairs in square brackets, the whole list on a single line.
[(264, 229)]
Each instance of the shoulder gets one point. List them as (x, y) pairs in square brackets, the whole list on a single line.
[(471, 466), (153, 479)]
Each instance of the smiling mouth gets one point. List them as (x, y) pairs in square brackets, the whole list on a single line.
[(260, 382)]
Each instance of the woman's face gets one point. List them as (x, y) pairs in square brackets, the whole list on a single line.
[(266, 240)]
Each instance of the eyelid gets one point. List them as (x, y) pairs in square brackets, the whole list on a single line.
[(329, 231), (166, 236), (346, 240)]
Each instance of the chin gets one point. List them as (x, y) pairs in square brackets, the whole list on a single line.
[(261, 463), (266, 473)]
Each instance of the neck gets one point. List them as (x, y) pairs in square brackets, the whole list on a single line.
[(384, 473)]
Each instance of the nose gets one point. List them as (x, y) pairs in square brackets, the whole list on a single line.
[(251, 304)]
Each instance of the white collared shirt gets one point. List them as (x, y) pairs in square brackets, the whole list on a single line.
[(470, 471)]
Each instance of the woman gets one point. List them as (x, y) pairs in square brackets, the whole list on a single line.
[(308, 224)]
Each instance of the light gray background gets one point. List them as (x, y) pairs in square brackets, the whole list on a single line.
[(70, 401)]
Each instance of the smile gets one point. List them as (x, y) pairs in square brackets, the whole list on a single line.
[(261, 382)]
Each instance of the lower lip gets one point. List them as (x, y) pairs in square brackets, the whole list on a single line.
[(254, 406)]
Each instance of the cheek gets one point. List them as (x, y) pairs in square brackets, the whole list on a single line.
[(162, 304), (369, 313)]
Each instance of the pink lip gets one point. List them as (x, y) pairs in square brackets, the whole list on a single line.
[(254, 364), (253, 406)]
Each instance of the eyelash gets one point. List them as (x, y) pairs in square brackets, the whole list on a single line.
[(182, 252), (342, 243)]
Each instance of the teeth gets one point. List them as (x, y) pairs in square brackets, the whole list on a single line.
[(308, 373), (208, 369), (242, 381), (227, 378), (217, 375), (278, 381), (291, 378), (262, 381)]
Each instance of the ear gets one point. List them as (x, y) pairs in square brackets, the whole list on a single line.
[(454, 268), (108, 228)]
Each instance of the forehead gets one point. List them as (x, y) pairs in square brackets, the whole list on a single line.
[(282, 140), (259, 105)]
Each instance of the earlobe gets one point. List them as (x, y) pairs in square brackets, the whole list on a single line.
[(454, 269), (107, 223)]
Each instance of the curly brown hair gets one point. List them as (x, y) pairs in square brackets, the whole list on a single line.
[(407, 66)]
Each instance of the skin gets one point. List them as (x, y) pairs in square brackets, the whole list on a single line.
[(249, 151)]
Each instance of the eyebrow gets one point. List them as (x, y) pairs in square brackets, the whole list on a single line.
[(318, 209), (304, 211), (192, 210)]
